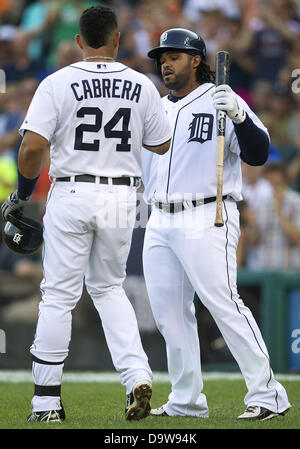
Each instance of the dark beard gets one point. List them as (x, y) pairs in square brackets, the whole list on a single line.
[(177, 83)]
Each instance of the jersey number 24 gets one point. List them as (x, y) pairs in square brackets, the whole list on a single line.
[(124, 134)]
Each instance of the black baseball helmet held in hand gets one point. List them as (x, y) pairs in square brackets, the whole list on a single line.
[(179, 39), (22, 234)]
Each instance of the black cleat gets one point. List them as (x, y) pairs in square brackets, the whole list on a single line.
[(48, 416), (138, 401), (257, 413)]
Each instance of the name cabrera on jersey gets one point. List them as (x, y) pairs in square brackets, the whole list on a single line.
[(189, 168), (96, 117)]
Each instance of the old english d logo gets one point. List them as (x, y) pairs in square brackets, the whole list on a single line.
[(201, 128)]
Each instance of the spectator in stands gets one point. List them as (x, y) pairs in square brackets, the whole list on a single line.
[(193, 8), (275, 30), (294, 166), (63, 18), (256, 189), (237, 42), (7, 34), (277, 225), (261, 93), (67, 53), (255, 186), (16, 104), (10, 119), (35, 23), (248, 235), (155, 19), (5, 7), (212, 29), (280, 120), (22, 65)]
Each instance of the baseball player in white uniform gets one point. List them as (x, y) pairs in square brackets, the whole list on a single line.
[(184, 252), (96, 114)]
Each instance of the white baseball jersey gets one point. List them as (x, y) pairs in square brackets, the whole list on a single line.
[(190, 166), (113, 110), (96, 117)]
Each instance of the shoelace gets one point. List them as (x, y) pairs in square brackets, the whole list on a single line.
[(56, 415)]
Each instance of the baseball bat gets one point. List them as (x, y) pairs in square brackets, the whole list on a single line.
[(222, 77)]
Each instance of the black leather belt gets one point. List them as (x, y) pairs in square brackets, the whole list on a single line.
[(122, 181), (180, 207)]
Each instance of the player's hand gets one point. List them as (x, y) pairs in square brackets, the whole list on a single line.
[(224, 99), (11, 204)]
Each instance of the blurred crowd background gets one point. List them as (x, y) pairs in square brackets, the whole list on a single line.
[(263, 38)]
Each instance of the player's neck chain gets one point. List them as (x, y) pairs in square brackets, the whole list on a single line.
[(99, 57)]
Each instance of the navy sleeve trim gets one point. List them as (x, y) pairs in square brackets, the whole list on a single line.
[(253, 141), (158, 145)]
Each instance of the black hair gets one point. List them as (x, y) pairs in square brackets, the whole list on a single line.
[(96, 24), (204, 74)]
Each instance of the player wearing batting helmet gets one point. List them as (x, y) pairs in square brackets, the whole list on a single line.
[(184, 252)]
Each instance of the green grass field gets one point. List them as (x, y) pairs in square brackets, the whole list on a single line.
[(101, 406)]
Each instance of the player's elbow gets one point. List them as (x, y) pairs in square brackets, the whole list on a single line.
[(256, 154), (32, 144), (255, 160), (162, 149), (159, 149)]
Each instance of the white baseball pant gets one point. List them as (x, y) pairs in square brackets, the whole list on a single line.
[(183, 253), (88, 230)]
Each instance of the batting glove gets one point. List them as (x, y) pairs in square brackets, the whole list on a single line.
[(224, 99), (11, 204)]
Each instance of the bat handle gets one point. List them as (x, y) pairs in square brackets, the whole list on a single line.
[(219, 222)]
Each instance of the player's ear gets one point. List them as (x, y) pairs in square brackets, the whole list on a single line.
[(196, 61), (78, 41), (117, 39)]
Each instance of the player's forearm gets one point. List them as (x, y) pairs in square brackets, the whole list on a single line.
[(31, 154), (253, 141), (30, 160)]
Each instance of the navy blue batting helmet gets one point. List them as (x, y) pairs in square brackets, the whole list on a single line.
[(22, 234), (179, 39)]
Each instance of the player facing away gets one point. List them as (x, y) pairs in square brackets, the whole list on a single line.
[(96, 114), (183, 251)]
